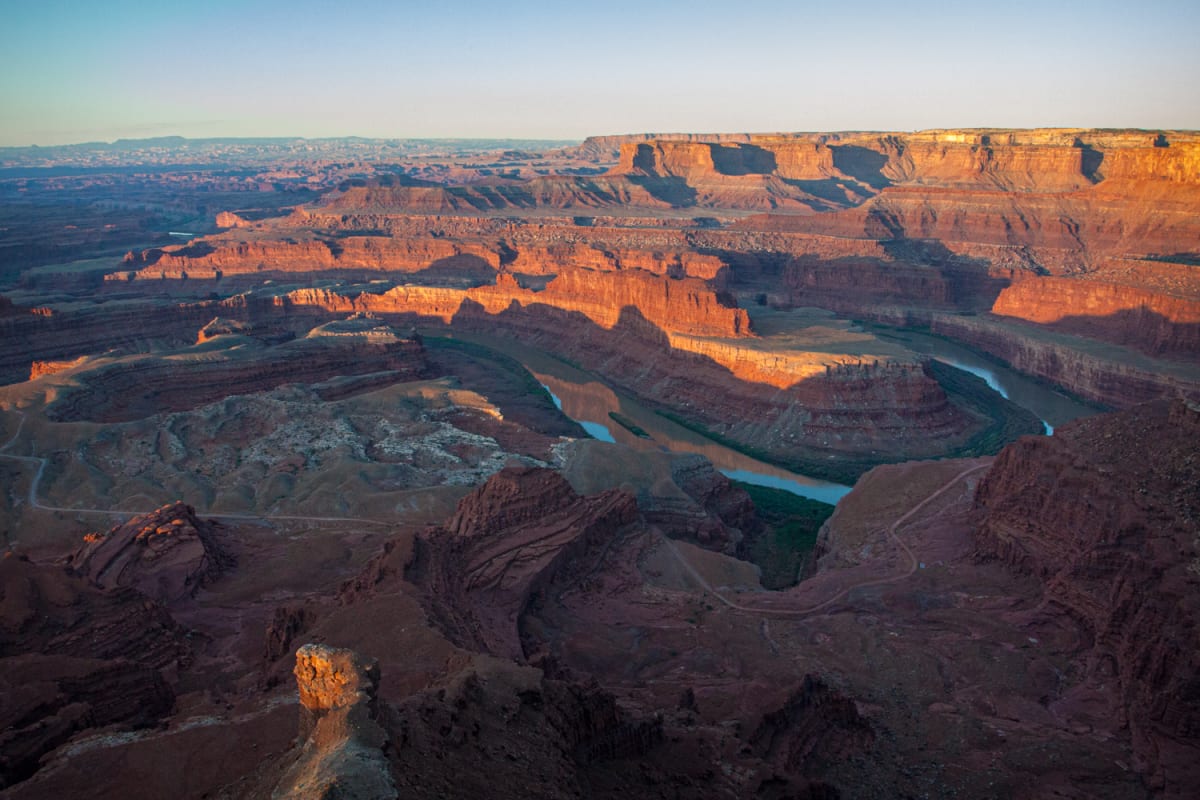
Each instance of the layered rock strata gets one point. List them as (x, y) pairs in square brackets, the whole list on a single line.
[(74, 656), (167, 555), (508, 541), (1156, 323), (1111, 377), (341, 752), (683, 306), (366, 255), (137, 386), (665, 350), (1106, 515)]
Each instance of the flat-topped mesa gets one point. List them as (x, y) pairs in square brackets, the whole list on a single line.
[(797, 160), (114, 390), (1048, 160), (221, 256), (1169, 156), (168, 554), (608, 148), (1007, 167), (684, 305)]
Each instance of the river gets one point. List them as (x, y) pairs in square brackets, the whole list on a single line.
[(593, 404), (588, 401), (1053, 408)]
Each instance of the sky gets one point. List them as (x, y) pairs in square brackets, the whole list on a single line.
[(78, 70)]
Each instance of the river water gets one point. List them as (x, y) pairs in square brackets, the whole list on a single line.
[(592, 403), (1051, 407), (589, 402)]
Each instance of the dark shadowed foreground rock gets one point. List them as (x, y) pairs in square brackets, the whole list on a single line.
[(816, 724), (74, 657), (1106, 513)]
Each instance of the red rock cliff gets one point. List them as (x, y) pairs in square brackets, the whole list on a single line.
[(508, 540), (1153, 322), (1106, 513), (221, 256), (685, 306)]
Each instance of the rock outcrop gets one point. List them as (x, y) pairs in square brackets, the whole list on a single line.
[(1113, 377), (167, 554), (684, 306), (49, 699), (73, 657), (47, 610), (817, 725), (519, 534), (497, 729), (341, 751), (1106, 514), (356, 255), (719, 515)]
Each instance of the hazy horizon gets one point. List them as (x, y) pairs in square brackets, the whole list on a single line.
[(528, 70)]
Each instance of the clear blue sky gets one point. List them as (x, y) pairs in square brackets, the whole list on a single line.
[(75, 71)]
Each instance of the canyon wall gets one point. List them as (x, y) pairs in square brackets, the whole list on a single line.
[(1112, 380), (776, 401), (507, 542), (1106, 515), (1153, 322), (685, 306), (215, 258)]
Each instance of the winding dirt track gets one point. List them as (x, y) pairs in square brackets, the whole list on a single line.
[(122, 514), (796, 613), (785, 613)]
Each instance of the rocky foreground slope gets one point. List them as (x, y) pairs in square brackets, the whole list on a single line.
[(79, 652), (973, 629), (1107, 517), (987, 674)]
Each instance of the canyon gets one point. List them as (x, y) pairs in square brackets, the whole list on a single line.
[(410, 471)]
